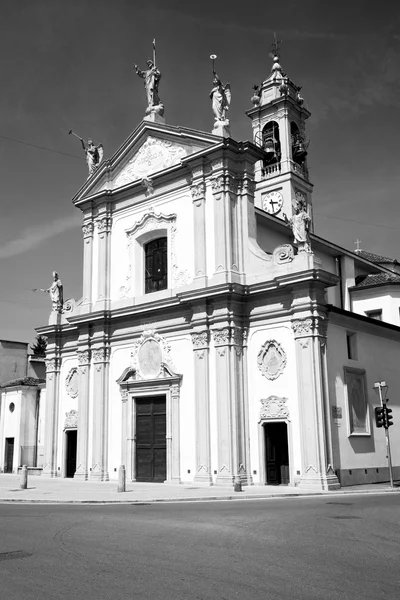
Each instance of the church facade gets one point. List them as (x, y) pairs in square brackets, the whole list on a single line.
[(218, 337)]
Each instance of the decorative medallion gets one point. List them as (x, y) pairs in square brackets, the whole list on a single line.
[(271, 359), (71, 419), (71, 383), (274, 407), (150, 355)]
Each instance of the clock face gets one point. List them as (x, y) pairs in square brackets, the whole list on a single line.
[(273, 202)]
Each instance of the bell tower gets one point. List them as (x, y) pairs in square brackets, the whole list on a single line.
[(278, 121)]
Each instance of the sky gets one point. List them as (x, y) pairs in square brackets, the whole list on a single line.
[(69, 65)]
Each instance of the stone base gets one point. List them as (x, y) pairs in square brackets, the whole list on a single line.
[(221, 128), (155, 114), (99, 476), (320, 483), (203, 479), (81, 476)]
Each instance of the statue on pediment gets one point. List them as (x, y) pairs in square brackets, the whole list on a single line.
[(55, 292), (151, 76), (94, 154), (221, 98)]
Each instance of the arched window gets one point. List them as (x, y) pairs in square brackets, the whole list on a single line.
[(156, 265), (271, 142), (299, 148)]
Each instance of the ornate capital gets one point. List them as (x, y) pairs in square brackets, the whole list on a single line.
[(217, 185), (53, 364), (310, 326), (124, 394), (104, 224), (198, 191), (87, 229), (83, 357), (200, 340), (101, 355), (228, 336)]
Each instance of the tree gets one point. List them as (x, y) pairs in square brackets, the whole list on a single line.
[(40, 345)]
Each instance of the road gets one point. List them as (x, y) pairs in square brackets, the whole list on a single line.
[(345, 547)]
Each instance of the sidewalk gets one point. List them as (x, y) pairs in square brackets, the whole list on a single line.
[(59, 490)]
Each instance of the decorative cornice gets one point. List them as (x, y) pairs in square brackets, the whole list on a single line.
[(274, 407), (154, 218)]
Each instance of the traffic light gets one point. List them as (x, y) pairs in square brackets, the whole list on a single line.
[(388, 417), (380, 416)]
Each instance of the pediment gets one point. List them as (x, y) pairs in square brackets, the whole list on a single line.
[(150, 150)]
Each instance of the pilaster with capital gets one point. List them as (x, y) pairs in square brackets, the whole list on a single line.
[(233, 437), (310, 338), (53, 365), (82, 458), (100, 362), (198, 192), (227, 225), (87, 231), (201, 349), (103, 226)]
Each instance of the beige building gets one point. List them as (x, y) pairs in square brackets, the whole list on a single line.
[(217, 335)]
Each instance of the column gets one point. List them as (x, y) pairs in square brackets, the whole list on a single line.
[(173, 435), (101, 357), (82, 469), (198, 191), (317, 473), (201, 351), (87, 229), (231, 413), (103, 261), (53, 364)]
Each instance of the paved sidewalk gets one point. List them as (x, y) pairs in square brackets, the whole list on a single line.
[(59, 490)]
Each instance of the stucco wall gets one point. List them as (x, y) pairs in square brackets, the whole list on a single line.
[(382, 298), (380, 357), (13, 360)]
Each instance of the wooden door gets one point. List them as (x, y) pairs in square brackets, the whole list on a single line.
[(9, 458), (151, 443), (71, 452), (276, 453)]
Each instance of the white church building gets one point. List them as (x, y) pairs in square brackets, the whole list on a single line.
[(209, 343)]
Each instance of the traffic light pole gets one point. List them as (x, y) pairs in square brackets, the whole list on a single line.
[(389, 455)]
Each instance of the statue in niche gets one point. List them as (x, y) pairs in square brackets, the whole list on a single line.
[(56, 293), (221, 99), (300, 225), (151, 76)]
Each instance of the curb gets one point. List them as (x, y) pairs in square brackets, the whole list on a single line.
[(143, 501)]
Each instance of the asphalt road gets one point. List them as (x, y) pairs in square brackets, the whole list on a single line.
[(297, 548)]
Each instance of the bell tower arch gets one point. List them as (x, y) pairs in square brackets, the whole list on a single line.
[(279, 127)]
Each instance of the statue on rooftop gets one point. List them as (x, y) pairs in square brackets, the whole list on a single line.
[(221, 98), (56, 293), (300, 225), (151, 78), (94, 154)]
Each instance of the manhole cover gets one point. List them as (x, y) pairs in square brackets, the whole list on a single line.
[(14, 554)]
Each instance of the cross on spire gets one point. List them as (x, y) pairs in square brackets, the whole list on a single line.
[(275, 45), (357, 243)]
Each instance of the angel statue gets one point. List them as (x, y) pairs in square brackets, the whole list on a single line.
[(94, 155), (221, 98), (55, 292), (300, 225)]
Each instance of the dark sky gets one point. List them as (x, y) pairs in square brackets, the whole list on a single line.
[(68, 64)]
